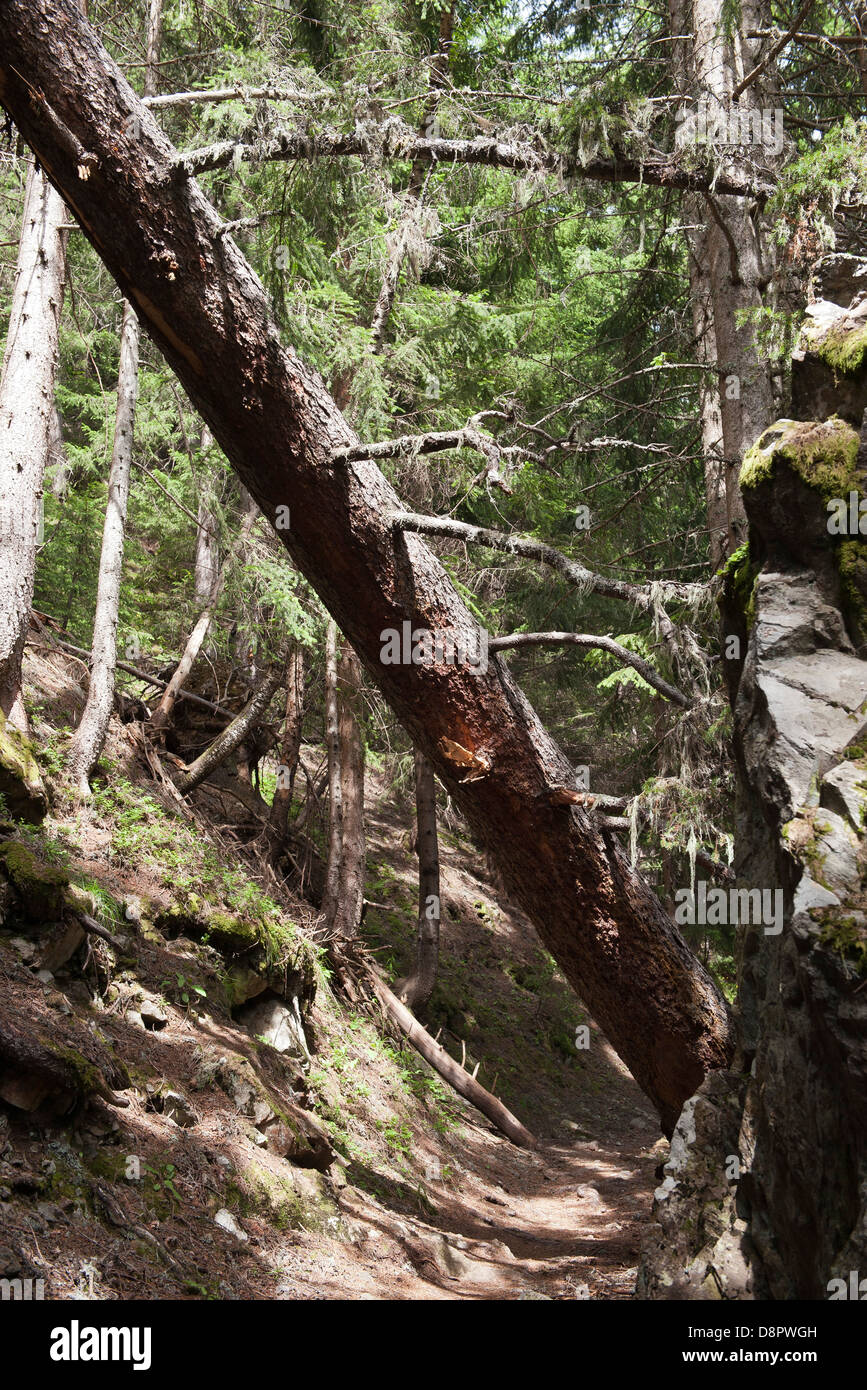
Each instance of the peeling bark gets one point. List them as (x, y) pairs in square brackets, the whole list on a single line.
[(27, 421)]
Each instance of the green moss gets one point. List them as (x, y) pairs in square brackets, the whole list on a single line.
[(42, 889), (849, 940), (844, 350), (20, 782), (275, 1195), (739, 574), (852, 566), (88, 1078), (822, 455)]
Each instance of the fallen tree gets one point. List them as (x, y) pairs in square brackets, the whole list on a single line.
[(280, 429)]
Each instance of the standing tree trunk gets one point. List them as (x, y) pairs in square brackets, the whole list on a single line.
[(729, 255), (27, 426), (331, 896), (207, 547), (353, 856), (416, 990), (344, 879), (280, 430), (89, 737), (290, 747), (163, 712)]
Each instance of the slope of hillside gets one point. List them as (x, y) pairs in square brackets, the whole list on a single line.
[(191, 1109)]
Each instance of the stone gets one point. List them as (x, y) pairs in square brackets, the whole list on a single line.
[(844, 790), (20, 782), (152, 1013), (278, 1024), (839, 278), (226, 1221), (177, 1108)]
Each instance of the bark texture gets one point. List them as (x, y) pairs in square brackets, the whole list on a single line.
[(27, 424), (279, 428)]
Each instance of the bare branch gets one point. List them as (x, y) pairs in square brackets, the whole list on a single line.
[(590, 641), (394, 140), (639, 595), (216, 94), (772, 52)]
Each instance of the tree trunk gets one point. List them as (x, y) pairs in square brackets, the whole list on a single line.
[(27, 426), (331, 896), (353, 849), (89, 737), (279, 428), (207, 547), (290, 748), (729, 255), (233, 735), (163, 712), (416, 990), (448, 1068)]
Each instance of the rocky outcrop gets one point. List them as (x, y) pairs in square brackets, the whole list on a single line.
[(765, 1192)]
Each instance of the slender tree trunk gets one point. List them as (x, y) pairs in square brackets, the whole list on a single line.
[(290, 748), (27, 421), (163, 712), (344, 880), (89, 737), (207, 547), (331, 896), (280, 431), (450, 1070), (416, 990), (233, 735), (353, 849)]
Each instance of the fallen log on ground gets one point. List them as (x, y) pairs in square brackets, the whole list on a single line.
[(450, 1070)]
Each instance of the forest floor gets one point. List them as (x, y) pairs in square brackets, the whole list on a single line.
[(191, 1198)]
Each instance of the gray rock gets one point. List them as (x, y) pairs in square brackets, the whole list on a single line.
[(278, 1023), (793, 1114), (844, 790), (177, 1108), (226, 1221)]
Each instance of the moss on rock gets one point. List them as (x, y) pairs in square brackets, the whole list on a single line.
[(789, 478), (41, 890), (739, 574), (20, 782), (844, 348), (822, 455)]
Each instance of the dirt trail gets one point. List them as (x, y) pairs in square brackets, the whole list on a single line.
[(563, 1223)]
